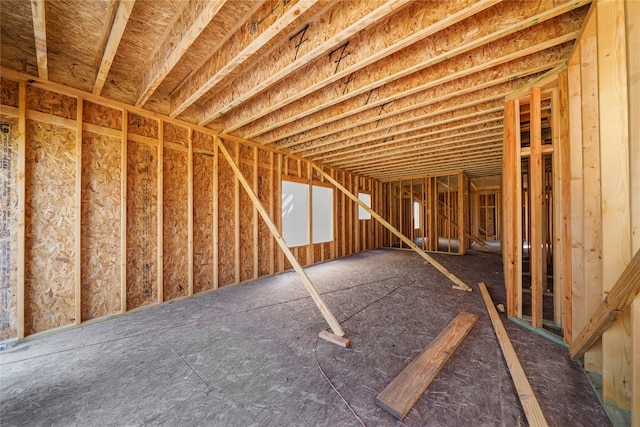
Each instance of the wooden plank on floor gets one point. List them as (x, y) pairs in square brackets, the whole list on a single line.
[(530, 404), (404, 391)]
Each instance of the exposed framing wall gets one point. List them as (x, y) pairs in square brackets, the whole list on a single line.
[(125, 208)]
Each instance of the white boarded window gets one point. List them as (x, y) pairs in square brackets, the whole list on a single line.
[(416, 215), (366, 199), (322, 214), (295, 213)]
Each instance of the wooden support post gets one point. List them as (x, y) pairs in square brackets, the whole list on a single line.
[(236, 214), (530, 404), (618, 299), (216, 214), (22, 145), (461, 216), (254, 218), (615, 185), (459, 284), (557, 233), (279, 210), (331, 320), (272, 191), (160, 225), (404, 391), (536, 165), (310, 252), (78, 215), (190, 212), (123, 212), (509, 249)]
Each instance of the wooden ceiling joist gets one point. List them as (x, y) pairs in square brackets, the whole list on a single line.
[(269, 21), (307, 44), (115, 35), (416, 60), (38, 13), (193, 20)]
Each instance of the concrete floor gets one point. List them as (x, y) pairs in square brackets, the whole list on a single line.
[(249, 355)]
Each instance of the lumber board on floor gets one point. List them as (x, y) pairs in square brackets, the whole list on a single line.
[(404, 391), (530, 404)]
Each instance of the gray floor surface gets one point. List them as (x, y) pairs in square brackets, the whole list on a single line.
[(248, 355)]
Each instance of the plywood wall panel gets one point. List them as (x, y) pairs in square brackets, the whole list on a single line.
[(246, 221), (49, 246), (175, 134), (175, 237), (100, 225), (141, 224), (142, 126), (202, 222), (202, 141), (100, 115), (50, 102), (226, 224), (9, 92), (8, 225), (264, 235)]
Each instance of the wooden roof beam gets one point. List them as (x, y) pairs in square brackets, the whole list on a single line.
[(270, 20), (446, 165), (339, 27), (408, 129), (38, 14), (117, 30), (391, 144), (193, 20), (416, 59), (350, 114)]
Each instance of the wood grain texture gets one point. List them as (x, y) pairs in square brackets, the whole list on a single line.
[(404, 391), (530, 404)]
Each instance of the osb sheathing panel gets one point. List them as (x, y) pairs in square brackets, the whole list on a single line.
[(8, 226), (100, 231), (175, 219), (202, 141), (49, 246), (246, 224), (16, 33), (226, 221), (143, 126), (175, 134), (51, 102), (142, 208), (8, 93), (202, 222), (100, 115)]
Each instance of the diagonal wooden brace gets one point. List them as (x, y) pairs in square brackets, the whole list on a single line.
[(329, 317)]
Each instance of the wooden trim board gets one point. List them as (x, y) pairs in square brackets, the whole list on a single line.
[(404, 391), (530, 404)]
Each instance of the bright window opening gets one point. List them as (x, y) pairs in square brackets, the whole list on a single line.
[(322, 214), (366, 199), (295, 213)]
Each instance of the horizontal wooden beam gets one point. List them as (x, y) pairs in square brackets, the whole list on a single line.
[(617, 299), (117, 30)]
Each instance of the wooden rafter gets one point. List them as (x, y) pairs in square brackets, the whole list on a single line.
[(117, 30), (250, 112), (222, 104), (237, 50), (38, 12), (194, 19)]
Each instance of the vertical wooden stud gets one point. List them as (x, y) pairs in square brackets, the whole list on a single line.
[(310, 247), (517, 240), (236, 214), (461, 216), (535, 207), (358, 225), (190, 212), (78, 215), (557, 237), (616, 206), (332, 172), (510, 208), (123, 212), (216, 213), (279, 209), (160, 225), (256, 239), (272, 192), (22, 144)]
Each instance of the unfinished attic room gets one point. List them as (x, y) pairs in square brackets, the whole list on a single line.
[(320, 213)]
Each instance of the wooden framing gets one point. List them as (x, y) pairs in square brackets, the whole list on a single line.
[(458, 284), (21, 258), (38, 12), (532, 410), (123, 212), (326, 313), (78, 216), (537, 244), (160, 214)]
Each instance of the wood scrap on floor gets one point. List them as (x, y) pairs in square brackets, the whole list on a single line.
[(530, 404), (404, 391), (335, 339)]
